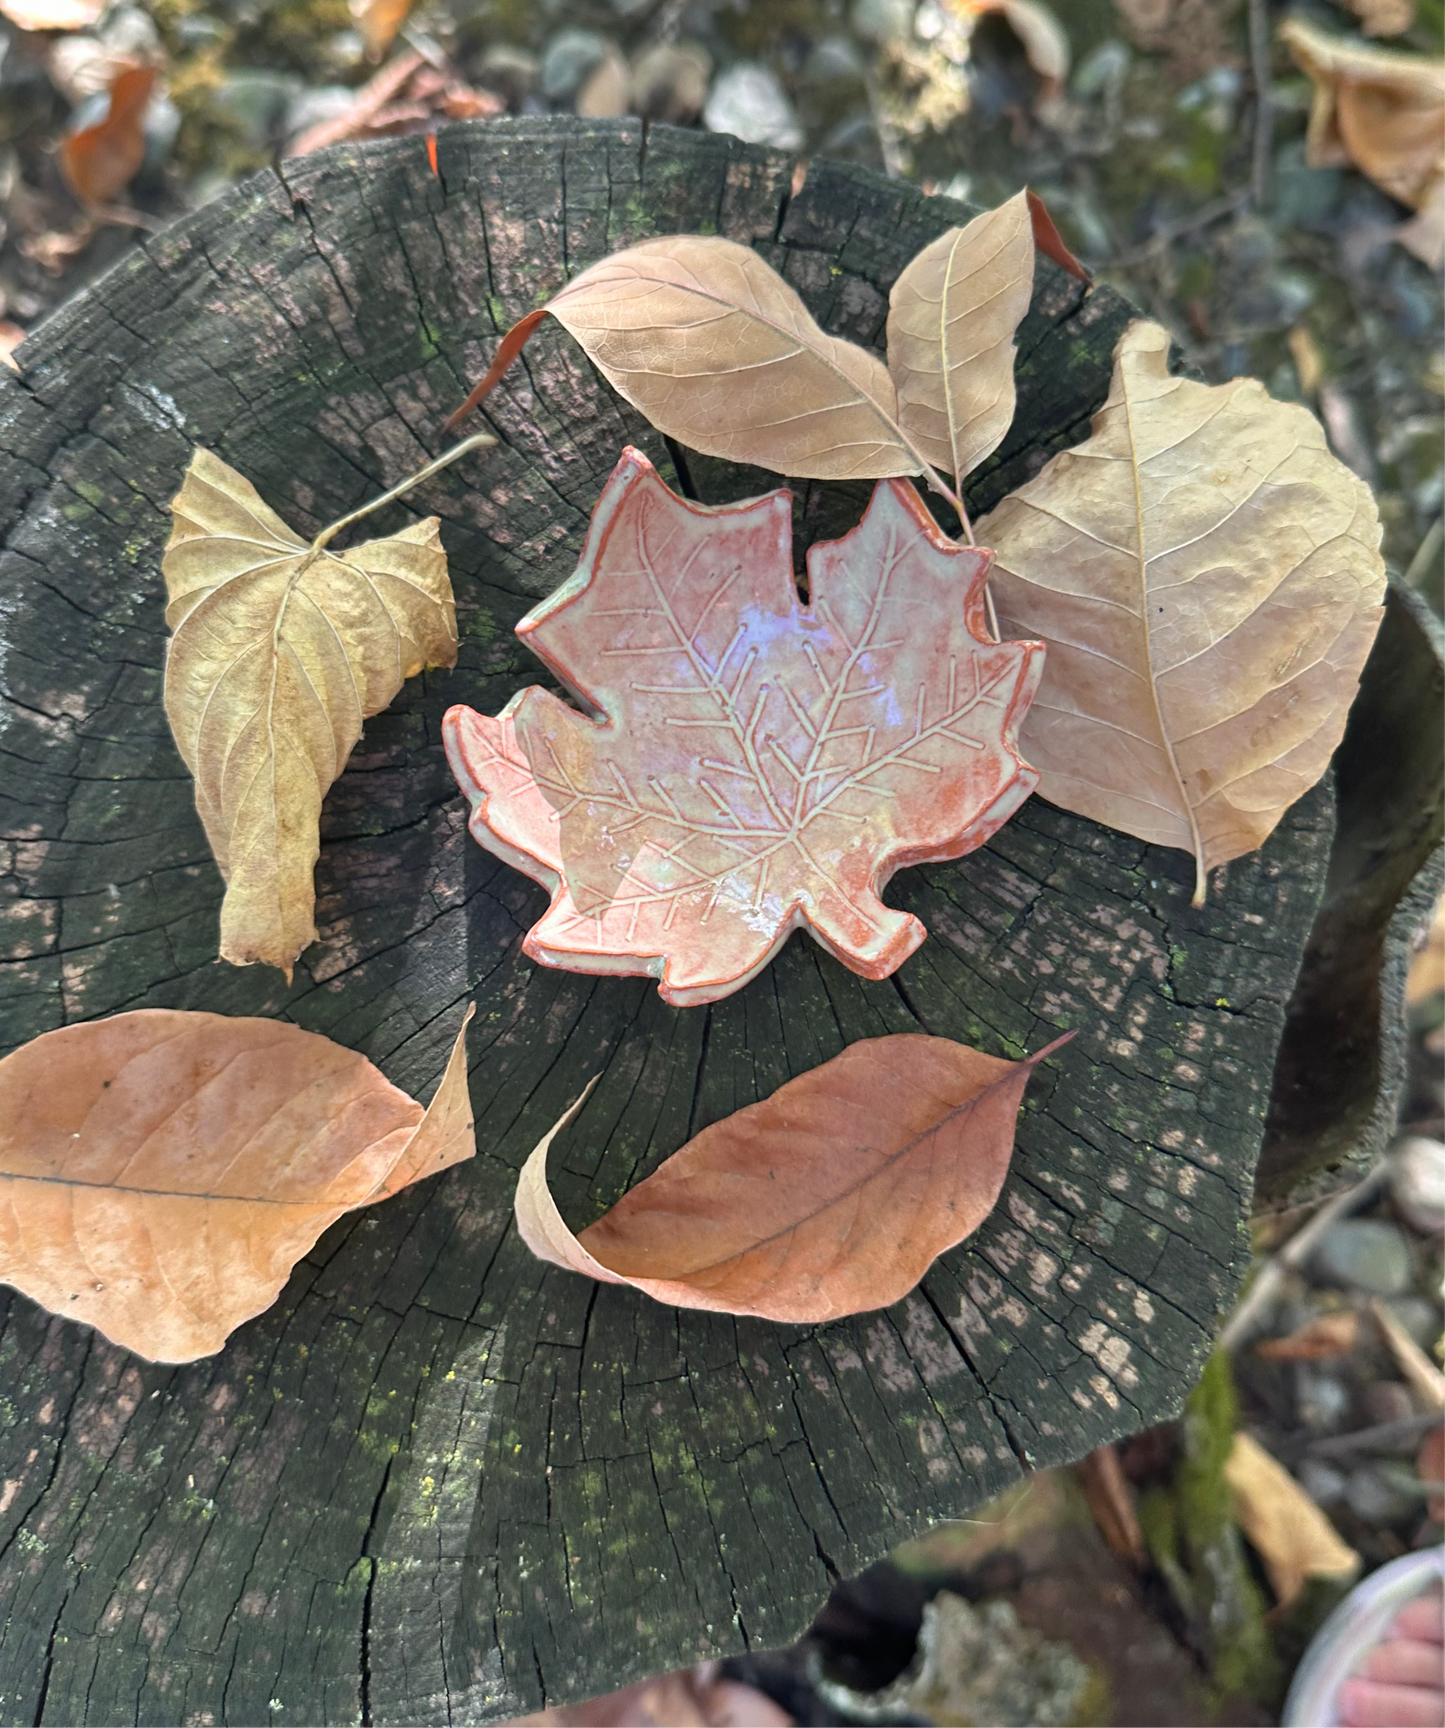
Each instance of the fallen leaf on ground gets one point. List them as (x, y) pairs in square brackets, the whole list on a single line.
[(710, 343), (409, 95), (1430, 1467), (756, 765), (1427, 969), (1207, 578), (1382, 112), (278, 653), (832, 1197), (1043, 38), (53, 14), (687, 1698), (378, 22), (1292, 1536), (1318, 1340), (100, 161), (1112, 1501), (161, 1172), (951, 322), (11, 336), (1384, 17)]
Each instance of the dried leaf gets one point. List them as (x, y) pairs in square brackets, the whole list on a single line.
[(1049, 241), (757, 765), (53, 14), (832, 1197), (1430, 1467), (11, 336), (686, 1698), (951, 321), (718, 351), (278, 653), (1293, 1537), (161, 1172), (100, 161), (1207, 577), (1112, 1502), (1042, 37), (1384, 17), (1383, 112), (1318, 1340), (378, 22), (1427, 968)]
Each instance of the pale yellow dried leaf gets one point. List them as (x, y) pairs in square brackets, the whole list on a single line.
[(1383, 112), (161, 1171), (951, 321), (1208, 580), (277, 655), (1292, 1536), (718, 351), (1427, 969)]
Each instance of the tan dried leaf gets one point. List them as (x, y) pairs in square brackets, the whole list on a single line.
[(1384, 17), (161, 1172), (718, 351), (1293, 1537), (1318, 1340), (831, 1197), (278, 653), (951, 321), (378, 22), (1427, 969), (1384, 113), (1207, 578)]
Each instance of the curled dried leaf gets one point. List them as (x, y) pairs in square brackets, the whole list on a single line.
[(832, 1197), (100, 161), (161, 1172), (1208, 579), (951, 322), (279, 650)]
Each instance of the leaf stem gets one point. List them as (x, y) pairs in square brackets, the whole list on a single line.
[(477, 441)]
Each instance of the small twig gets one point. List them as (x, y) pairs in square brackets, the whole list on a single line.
[(890, 148), (1271, 1275), (1163, 238), (1263, 145), (477, 441), (1427, 560), (1426, 1382), (1384, 1436)]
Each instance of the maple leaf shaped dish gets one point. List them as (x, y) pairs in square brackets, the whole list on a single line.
[(748, 764)]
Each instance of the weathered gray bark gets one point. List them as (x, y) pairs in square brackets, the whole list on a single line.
[(1345, 1052), (437, 1482)]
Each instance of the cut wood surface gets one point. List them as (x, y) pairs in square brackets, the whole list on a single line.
[(440, 1481)]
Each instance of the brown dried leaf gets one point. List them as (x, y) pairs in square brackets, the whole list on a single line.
[(1430, 1467), (1318, 1340), (378, 22), (100, 161), (278, 653), (1112, 1501), (1208, 580), (161, 1172), (1293, 1537), (1383, 112), (832, 1197), (951, 321)]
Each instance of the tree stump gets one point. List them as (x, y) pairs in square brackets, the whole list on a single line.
[(438, 1482)]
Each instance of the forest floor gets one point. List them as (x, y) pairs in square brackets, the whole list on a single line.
[(1168, 138)]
